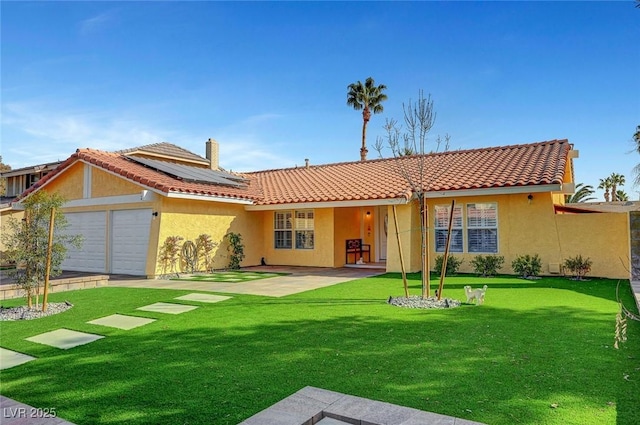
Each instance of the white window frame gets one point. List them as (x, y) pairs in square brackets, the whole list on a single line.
[(283, 227), (294, 229), (441, 226), (482, 224), (304, 229)]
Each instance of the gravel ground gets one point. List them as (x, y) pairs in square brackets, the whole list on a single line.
[(416, 301), (24, 313)]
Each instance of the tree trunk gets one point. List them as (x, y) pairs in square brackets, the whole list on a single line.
[(366, 116), (425, 248), (47, 270), (443, 271)]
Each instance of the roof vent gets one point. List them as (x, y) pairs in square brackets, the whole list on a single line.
[(306, 163)]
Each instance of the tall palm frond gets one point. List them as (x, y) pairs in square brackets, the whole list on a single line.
[(582, 194), (605, 184), (616, 180), (366, 97), (621, 195)]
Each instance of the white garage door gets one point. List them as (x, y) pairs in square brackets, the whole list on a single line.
[(91, 257), (130, 241)]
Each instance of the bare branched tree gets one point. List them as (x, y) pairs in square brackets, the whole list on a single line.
[(408, 146)]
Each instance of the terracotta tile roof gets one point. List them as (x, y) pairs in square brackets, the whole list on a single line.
[(507, 166), (166, 149), (119, 164)]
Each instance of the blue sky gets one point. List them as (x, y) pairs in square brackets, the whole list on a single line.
[(268, 80)]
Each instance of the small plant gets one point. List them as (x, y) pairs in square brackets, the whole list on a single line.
[(527, 265), (453, 264), (487, 265), (169, 253), (204, 250), (236, 250), (578, 266)]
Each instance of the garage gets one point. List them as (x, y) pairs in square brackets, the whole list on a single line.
[(92, 255), (128, 241)]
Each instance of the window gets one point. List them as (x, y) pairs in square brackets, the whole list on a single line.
[(442, 213), (304, 229), (283, 230), (482, 227), (285, 227)]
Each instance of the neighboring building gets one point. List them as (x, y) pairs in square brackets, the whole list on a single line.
[(21, 179), (127, 203)]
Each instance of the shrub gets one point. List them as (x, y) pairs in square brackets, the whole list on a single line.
[(236, 250), (487, 265), (527, 265), (453, 264), (578, 266)]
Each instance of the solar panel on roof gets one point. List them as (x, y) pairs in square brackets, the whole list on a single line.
[(192, 174)]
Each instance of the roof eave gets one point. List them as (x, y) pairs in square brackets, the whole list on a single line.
[(503, 190), (207, 197), (329, 204)]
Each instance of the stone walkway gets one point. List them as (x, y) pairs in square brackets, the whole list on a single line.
[(298, 279)]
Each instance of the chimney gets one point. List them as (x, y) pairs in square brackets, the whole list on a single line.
[(306, 163), (212, 153)]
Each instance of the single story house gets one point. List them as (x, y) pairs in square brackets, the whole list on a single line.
[(508, 202)]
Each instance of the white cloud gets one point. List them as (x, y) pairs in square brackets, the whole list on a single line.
[(96, 23), (36, 133)]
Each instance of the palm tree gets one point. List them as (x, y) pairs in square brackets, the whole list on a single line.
[(616, 180), (582, 194), (606, 185), (636, 140), (366, 97), (621, 195)]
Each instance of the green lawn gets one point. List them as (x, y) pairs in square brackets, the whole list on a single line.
[(532, 344), (230, 276)]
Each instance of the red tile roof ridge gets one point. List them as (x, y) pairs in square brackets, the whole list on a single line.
[(391, 158)]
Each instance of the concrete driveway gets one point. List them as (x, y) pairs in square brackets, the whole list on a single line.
[(299, 279)]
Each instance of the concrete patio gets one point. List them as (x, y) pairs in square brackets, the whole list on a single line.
[(312, 405)]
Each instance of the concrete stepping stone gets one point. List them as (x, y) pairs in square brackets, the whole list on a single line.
[(168, 308), (121, 321), (10, 358), (203, 298), (64, 338)]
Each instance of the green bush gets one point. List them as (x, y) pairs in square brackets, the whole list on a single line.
[(578, 266), (453, 264), (236, 250), (487, 265), (527, 265)]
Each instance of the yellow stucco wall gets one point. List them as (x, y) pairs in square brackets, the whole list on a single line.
[(525, 228), (68, 184), (408, 232), (602, 237), (322, 255), (190, 218), (106, 184)]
